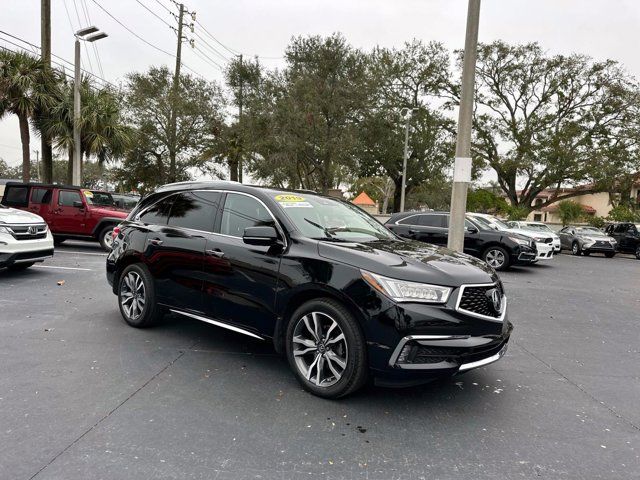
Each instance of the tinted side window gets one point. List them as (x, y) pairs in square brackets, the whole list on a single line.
[(16, 196), (41, 195), (432, 220), (240, 212), (67, 197), (410, 220), (158, 214), (621, 228), (195, 210)]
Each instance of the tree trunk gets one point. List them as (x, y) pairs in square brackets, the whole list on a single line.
[(47, 161), (233, 169), (172, 165), (26, 152), (70, 167), (397, 194)]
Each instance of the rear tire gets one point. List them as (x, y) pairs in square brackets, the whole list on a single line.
[(105, 237), (17, 267), (136, 297), (57, 241), (326, 349), (610, 254), (497, 257), (638, 252), (586, 253)]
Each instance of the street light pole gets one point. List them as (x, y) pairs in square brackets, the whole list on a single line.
[(76, 170), (407, 115), (462, 168)]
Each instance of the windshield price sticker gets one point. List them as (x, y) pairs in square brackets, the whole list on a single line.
[(295, 205), (292, 201), (88, 194), (289, 198)]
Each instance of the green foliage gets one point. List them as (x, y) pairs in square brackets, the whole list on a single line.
[(624, 213), (595, 221), (550, 121), (484, 201), (569, 211), (517, 212)]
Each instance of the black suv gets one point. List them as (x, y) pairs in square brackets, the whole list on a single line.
[(499, 249), (320, 278), (627, 235)]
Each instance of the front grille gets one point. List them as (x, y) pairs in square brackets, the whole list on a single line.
[(601, 243), (477, 300), (28, 232)]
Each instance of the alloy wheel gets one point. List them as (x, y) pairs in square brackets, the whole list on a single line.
[(575, 248), (132, 295), (320, 349), (107, 239), (495, 258)]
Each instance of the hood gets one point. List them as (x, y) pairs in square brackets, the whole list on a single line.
[(15, 216), (531, 233), (109, 211), (410, 260)]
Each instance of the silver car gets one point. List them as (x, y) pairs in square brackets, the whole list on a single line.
[(587, 240)]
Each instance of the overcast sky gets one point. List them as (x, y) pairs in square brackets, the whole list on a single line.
[(599, 28)]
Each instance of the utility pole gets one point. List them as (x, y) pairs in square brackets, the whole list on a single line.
[(240, 153), (174, 101), (76, 171), (45, 52), (462, 168), (38, 166)]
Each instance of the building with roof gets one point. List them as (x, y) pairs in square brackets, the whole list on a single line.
[(365, 202)]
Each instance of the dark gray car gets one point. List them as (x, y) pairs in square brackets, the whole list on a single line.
[(587, 240)]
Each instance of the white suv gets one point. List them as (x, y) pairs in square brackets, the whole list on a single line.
[(24, 239), (540, 228), (543, 240)]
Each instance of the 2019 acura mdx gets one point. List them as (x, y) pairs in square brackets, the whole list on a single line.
[(331, 287)]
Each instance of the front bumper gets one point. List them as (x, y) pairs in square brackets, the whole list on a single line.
[(524, 255), (545, 251), (557, 246), (599, 246), (14, 251)]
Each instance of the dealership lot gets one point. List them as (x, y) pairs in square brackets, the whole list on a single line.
[(82, 395)]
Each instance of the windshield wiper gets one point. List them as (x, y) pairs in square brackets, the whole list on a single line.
[(327, 231), (355, 230)]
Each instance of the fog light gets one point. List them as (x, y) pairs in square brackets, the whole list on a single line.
[(404, 354)]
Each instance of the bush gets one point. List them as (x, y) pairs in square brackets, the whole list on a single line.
[(624, 213), (595, 221), (569, 211), (516, 213)]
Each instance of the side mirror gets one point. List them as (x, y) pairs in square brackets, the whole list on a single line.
[(78, 204), (471, 229), (631, 231), (265, 236)]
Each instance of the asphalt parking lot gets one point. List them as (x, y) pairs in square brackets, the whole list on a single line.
[(84, 396)]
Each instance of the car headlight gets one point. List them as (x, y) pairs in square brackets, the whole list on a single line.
[(405, 291), (4, 230), (520, 241)]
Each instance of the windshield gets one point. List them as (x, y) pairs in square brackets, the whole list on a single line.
[(538, 227), (327, 218), (491, 222), (588, 230), (99, 199)]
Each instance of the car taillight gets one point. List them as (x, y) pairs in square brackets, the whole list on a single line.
[(115, 232)]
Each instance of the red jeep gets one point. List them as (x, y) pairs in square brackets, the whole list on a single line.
[(71, 212)]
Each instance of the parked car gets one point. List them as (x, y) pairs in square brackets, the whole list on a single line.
[(539, 228), (70, 212), (324, 281), (24, 239), (587, 240), (498, 249), (627, 235), (544, 242), (125, 201)]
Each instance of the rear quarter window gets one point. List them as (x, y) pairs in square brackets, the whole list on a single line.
[(16, 196)]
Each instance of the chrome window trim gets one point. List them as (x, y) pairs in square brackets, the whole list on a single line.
[(275, 220), (478, 315), (217, 323)]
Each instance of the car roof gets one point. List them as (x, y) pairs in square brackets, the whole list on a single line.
[(225, 185), (17, 183)]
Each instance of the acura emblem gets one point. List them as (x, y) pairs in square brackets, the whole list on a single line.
[(496, 299)]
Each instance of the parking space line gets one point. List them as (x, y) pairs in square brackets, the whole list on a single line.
[(64, 268), (80, 253)]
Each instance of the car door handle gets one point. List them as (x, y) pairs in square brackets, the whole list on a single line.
[(154, 241), (216, 252)]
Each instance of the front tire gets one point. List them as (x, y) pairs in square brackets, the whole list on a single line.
[(326, 349), (575, 248), (638, 252), (497, 258), (610, 254), (105, 237), (136, 297)]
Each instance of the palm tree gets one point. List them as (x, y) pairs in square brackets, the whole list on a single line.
[(25, 88)]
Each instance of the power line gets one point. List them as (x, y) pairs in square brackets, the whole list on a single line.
[(233, 52), (154, 13), (210, 47), (209, 60), (164, 6), (85, 8), (37, 49), (131, 31)]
